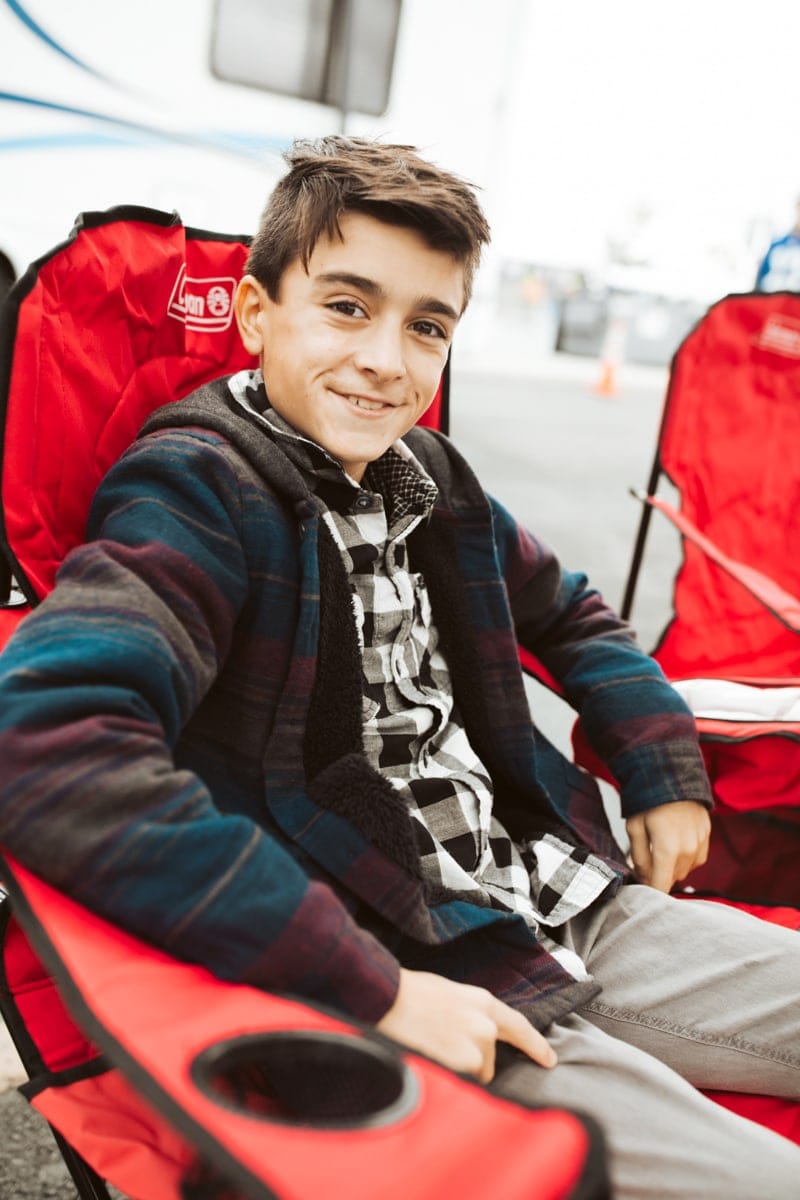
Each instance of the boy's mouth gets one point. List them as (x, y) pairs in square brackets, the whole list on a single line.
[(365, 403), (369, 405)]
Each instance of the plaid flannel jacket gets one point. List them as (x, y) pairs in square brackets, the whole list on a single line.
[(180, 723), (412, 732)]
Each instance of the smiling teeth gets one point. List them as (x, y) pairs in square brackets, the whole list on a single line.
[(370, 405)]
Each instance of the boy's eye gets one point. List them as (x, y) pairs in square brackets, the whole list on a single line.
[(430, 329), (349, 307)]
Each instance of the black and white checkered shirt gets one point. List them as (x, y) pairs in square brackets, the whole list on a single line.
[(413, 732)]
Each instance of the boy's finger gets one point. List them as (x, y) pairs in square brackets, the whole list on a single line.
[(514, 1028), (640, 852)]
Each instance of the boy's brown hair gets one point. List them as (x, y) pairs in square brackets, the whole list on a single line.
[(337, 174)]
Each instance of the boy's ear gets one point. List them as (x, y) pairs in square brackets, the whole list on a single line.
[(249, 305)]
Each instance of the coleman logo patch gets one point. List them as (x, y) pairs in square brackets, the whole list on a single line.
[(204, 305), (781, 335)]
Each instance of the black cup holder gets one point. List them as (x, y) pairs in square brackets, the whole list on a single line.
[(311, 1078)]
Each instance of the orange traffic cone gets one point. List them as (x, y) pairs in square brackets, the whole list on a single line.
[(612, 355), (607, 383)]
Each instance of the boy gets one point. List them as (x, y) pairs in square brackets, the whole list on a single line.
[(272, 718)]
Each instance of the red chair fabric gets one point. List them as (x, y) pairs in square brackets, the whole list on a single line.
[(279, 1097), (730, 444)]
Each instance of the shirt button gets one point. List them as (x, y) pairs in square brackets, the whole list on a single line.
[(363, 502)]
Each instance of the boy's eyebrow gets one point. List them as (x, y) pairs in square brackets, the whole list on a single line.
[(362, 284)]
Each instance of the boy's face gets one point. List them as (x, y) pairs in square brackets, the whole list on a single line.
[(353, 349)]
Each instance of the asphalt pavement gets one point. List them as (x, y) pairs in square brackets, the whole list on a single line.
[(561, 456), (31, 1167)]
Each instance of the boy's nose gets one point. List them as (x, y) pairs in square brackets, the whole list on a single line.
[(380, 350)]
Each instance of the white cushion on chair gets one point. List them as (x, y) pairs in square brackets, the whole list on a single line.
[(724, 700)]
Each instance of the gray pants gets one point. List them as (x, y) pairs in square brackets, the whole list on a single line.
[(694, 993)]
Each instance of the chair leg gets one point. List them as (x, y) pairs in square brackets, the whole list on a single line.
[(88, 1183)]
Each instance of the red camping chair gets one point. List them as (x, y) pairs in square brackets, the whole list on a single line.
[(730, 444), (207, 1083)]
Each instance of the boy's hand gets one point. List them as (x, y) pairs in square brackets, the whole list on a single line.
[(668, 842), (459, 1025)]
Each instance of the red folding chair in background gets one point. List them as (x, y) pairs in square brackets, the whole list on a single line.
[(159, 1078), (730, 444)]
